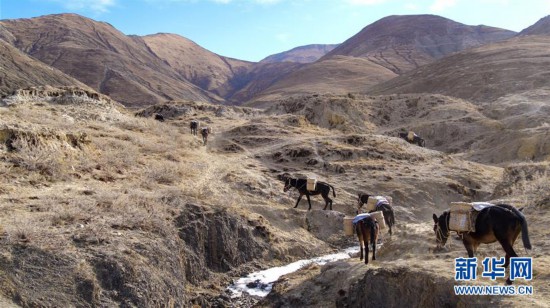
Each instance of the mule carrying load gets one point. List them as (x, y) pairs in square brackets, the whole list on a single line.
[(375, 201), (367, 229), (349, 222), (492, 223)]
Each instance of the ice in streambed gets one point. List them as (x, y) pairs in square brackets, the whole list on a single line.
[(260, 283)]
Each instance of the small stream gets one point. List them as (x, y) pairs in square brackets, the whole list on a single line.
[(260, 283)]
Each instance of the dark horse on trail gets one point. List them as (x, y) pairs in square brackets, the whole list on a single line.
[(383, 207), (501, 222), (194, 126), (321, 188), (366, 228), (415, 140)]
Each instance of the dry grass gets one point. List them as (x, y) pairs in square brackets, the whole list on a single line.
[(45, 158)]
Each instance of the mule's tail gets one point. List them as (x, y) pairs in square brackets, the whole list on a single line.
[(392, 217), (372, 225), (524, 229), (333, 191)]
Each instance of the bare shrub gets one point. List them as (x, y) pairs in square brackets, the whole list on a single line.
[(115, 155), (141, 211), (46, 158), (166, 173)]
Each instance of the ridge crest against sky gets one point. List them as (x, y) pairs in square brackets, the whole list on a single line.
[(254, 29)]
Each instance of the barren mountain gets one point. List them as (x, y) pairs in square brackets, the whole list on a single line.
[(402, 43), (302, 54), (203, 68), (338, 75), (379, 52), (541, 27), (258, 78), (102, 57), (483, 74), (19, 71)]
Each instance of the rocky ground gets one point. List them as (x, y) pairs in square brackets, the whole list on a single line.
[(104, 206)]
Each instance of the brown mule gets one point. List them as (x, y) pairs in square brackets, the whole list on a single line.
[(367, 231), (501, 223)]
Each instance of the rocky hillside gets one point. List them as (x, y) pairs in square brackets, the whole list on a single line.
[(302, 54), (102, 208)]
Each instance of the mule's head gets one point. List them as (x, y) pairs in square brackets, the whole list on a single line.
[(287, 185), (441, 229), (361, 199)]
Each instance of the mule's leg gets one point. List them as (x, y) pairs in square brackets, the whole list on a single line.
[(366, 235), (308, 201), (374, 243), (469, 245), (360, 237), (298, 201), (508, 246), (387, 220)]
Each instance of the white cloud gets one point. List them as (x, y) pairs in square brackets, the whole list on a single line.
[(282, 37), (97, 6), (266, 1), (442, 5), (365, 2), (411, 7)]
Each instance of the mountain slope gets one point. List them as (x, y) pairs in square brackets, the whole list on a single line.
[(21, 71), (541, 27), (101, 57), (335, 75), (202, 67), (302, 54), (482, 74), (401, 43)]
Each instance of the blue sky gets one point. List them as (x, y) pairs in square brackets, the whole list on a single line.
[(253, 29)]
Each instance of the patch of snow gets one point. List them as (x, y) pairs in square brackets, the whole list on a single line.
[(260, 283)]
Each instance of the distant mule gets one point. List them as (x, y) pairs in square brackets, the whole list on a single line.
[(367, 229), (194, 126), (383, 207), (415, 140), (501, 222), (159, 117), (205, 131), (321, 188)]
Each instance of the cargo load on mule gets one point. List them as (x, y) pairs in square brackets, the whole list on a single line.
[(377, 204), (311, 184), (462, 216), (349, 222), (374, 201)]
